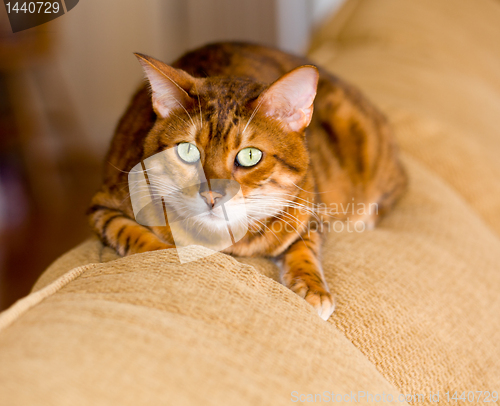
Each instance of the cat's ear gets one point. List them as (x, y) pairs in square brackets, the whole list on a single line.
[(169, 86), (290, 99)]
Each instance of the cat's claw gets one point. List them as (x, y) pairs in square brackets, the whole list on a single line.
[(322, 302)]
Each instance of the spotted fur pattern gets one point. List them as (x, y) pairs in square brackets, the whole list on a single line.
[(347, 154)]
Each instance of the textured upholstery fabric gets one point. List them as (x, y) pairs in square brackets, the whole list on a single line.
[(418, 305), (147, 330)]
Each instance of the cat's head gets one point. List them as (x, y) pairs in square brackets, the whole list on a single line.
[(234, 129)]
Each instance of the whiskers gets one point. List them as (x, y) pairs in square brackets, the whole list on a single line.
[(154, 190), (254, 112), (266, 208), (297, 213)]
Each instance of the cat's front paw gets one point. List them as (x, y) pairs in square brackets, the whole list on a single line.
[(316, 295)]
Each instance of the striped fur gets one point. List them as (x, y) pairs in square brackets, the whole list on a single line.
[(346, 155)]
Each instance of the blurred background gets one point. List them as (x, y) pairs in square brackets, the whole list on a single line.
[(63, 87)]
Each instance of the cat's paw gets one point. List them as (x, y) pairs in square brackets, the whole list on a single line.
[(317, 296), (323, 303)]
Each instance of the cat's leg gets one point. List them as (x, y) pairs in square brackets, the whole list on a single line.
[(121, 233), (301, 272)]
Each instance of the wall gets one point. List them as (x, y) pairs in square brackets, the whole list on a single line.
[(322, 9), (96, 65), (96, 61)]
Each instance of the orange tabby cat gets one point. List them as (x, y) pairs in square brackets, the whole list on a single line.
[(246, 113)]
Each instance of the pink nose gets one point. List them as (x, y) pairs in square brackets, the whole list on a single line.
[(211, 198)]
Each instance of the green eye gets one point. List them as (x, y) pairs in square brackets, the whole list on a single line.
[(249, 156), (188, 152)]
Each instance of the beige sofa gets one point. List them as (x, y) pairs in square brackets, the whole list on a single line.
[(418, 298)]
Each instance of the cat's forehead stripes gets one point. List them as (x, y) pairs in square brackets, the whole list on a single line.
[(227, 97), (223, 106)]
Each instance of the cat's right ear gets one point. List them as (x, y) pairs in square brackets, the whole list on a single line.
[(290, 99), (169, 86)]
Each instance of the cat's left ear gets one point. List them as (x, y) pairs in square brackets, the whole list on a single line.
[(290, 99)]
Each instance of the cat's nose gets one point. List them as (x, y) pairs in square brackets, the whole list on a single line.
[(211, 198)]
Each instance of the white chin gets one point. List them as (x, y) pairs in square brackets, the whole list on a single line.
[(211, 219)]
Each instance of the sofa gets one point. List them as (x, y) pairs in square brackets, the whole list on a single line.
[(418, 304)]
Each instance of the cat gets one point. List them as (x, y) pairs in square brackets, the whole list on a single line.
[(291, 134)]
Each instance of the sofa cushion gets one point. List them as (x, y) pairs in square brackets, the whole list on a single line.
[(147, 330), (433, 66)]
